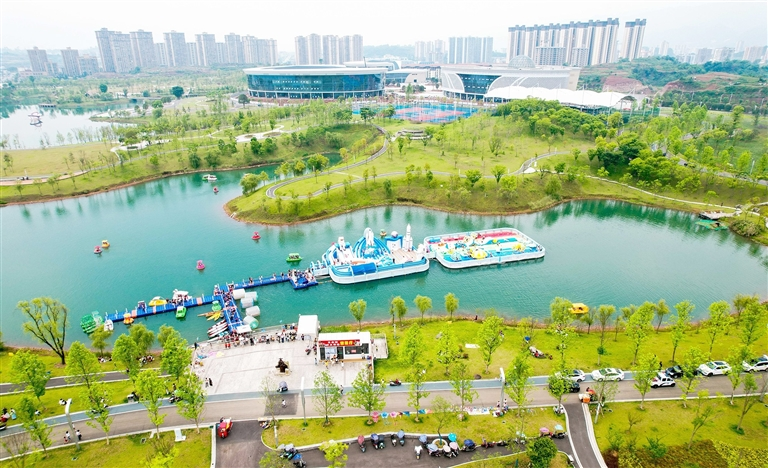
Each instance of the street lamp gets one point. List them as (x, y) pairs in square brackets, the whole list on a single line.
[(503, 383), (303, 402), (71, 426)]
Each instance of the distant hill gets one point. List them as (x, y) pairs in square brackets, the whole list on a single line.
[(379, 51)]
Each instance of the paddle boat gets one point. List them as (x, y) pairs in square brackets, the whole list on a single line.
[(109, 325), (105, 244), (579, 308), (383, 233), (157, 301), (209, 177), (200, 265), (127, 319), (293, 257), (256, 235), (181, 312), (89, 323), (215, 190), (97, 250)]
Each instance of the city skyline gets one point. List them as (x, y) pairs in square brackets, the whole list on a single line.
[(690, 24)]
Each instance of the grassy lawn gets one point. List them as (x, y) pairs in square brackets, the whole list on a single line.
[(195, 452), (53, 363), (117, 391), (472, 427), (669, 421), (581, 354)]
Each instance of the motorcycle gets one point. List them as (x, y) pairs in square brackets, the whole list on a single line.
[(289, 452), (393, 438), (225, 427), (361, 443), (417, 449), (433, 450), (447, 452), (454, 448), (174, 399), (469, 446), (502, 443), (401, 437), (423, 440), (378, 442), (299, 462), (395, 383), (487, 444)]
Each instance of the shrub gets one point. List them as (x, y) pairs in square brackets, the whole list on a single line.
[(746, 228)]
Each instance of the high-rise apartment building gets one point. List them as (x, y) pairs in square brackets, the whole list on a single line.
[(633, 39), (105, 50), (193, 54), (71, 59), (234, 49), (302, 50), (206, 49), (430, 51), (345, 49), (39, 60), (161, 55), (331, 50), (259, 51), (88, 64), (703, 55), (722, 54), (754, 54), (115, 50), (143, 47), (176, 48), (314, 48), (582, 44), (357, 47), (470, 49), (221, 52)]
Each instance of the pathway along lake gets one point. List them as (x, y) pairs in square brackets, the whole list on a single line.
[(598, 252)]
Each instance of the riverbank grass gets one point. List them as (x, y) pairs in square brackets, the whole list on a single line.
[(134, 450), (53, 362)]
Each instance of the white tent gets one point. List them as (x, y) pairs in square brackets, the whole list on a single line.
[(309, 326)]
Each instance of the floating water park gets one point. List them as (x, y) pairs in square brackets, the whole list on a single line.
[(477, 248), (372, 259)]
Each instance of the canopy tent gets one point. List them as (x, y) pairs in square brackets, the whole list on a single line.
[(309, 326)]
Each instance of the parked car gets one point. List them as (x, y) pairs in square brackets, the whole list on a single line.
[(714, 368), (674, 372), (577, 375), (662, 380), (756, 364), (573, 387), (607, 374)]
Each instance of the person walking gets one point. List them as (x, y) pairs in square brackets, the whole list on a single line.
[(283, 403), (66, 437), (78, 435)]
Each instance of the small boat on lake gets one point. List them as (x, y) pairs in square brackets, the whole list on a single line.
[(383, 233), (293, 257), (109, 325), (181, 312), (89, 323), (477, 248), (209, 177), (256, 235), (200, 265), (105, 244), (579, 309), (97, 250), (157, 301), (215, 190)]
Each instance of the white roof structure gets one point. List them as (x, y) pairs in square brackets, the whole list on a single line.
[(308, 325), (583, 98), (364, 337)]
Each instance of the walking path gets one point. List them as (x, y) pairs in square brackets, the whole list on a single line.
[(582, 436)]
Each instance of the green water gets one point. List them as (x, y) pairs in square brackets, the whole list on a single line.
[(598, 252)]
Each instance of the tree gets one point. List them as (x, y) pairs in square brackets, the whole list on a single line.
[(143, 338), (639, 326), (176, 356), (103, 87), (97, 401), (151, 390), (605, 392), (327, 396), (750, 397), (413, 347), (661, 310), (704, 412), (558, 383), (423, 303), (451, 304), (32, 422), (645, 372), (447, 348), (735, 358), (48, 322), (249, 182), (335, 453), (126, 353), (718, 322), (518, 386), (562, 318), (553, 188), (177, 91), (461, 381), (689, 366), (243, 99), (589, 318), (268, 388), (490, 336), (740, 303), (397, 306), (366, 393), (357, 309), (99, 339), (274, 459), (680, 324), (17, 446), (28, 369), (604, 315), (753, 322), (192, 397), (82, 366), (443, 411), (417, 378), (498, 172), (541, 452), (473, 175)]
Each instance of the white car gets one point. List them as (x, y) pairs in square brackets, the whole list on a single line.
[(662, 380), (715, 368), (577, 375), (756, 364), (607, 374)]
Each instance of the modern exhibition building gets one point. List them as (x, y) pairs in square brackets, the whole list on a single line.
[(471, 82), (315, 82)]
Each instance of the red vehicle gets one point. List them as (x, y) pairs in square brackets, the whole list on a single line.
[(225, 426)]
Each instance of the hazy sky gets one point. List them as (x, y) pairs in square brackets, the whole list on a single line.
[(55, 24)]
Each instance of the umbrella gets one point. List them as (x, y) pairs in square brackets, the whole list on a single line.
[(558, 427), (544, 431), (452, 437)]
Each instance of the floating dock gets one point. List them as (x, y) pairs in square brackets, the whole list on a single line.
[(478, 248)]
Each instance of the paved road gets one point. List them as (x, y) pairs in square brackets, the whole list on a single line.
[(132, 417), (578, 432), (56, 382)]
